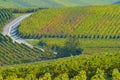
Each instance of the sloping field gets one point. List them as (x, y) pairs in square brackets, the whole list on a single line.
[(14, 53), (53, 3), (84, 22)]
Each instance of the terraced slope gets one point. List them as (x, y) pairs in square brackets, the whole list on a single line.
[(5, 15), (84, 22), (53, 3)]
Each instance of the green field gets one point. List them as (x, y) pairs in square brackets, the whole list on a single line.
[(53, 3), (84, 43), (89, 46), (100, 22), (88, 67)]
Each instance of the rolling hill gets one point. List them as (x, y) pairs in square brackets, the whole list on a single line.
[(53, 3), (97, 27), (96, 22), (88, 37)]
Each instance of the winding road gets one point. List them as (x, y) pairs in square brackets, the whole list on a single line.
[(11, 30)]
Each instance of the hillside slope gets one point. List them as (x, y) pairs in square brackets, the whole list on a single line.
[(83, 22), (14, 53), (53, 3)]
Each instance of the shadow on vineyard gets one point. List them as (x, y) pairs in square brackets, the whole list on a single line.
[(71, 48)]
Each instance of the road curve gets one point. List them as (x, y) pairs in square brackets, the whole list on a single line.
[(11, 30)]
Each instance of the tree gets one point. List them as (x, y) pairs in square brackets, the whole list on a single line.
[(72, 47)]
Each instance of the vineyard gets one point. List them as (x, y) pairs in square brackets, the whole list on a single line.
[(14, 53), (85, 67), (95, 22), (68, 43), (5, 16)]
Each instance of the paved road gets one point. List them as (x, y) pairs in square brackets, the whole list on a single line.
[(14, 24), (11, 30)]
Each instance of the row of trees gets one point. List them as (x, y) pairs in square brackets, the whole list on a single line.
[(27, 36)]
